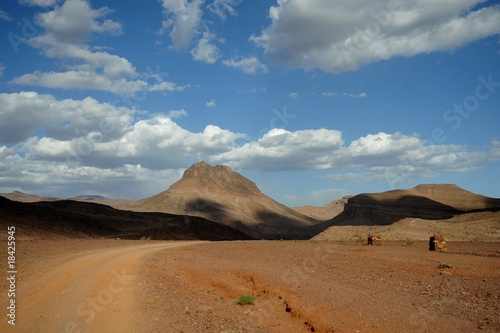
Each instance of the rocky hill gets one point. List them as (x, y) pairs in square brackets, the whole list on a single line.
[(326, 212), (426, 201), (222, 195), (416, 213)]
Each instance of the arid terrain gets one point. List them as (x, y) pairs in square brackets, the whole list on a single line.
[(68, 285), (179, 260)]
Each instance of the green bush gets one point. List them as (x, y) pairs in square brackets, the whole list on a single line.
[(245, 300), (443, 265)]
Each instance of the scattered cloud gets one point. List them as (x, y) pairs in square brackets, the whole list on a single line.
[(183, 21), (293, 95), (80, 80), (41, 3), (334, 94), (168, 86), (250, 65), (221, 7), (257, 90), (66, 29), (173, 114), (360, 95), (75, 20), (206, 51), (352, 177), (321, 196), (5, 16), (376, 30), (211, 104)]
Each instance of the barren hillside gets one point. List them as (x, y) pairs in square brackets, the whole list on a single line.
[(223, 195), (416, 212)]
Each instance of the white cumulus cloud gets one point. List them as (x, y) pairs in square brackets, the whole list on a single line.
[(87, 140), (67, 28), (250, 65), (25, 112), (183, 21), (221, 7), (341, 35), (206, 51), (177, 114)]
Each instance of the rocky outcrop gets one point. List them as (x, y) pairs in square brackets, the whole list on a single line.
[(374, 240), (437, 243)]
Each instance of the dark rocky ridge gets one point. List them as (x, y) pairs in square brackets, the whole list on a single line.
[(74, 219), (426, 201)]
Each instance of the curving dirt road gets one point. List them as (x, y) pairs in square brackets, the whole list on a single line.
[(90, 291)]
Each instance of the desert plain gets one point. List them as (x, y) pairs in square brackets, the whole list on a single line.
[(180, 261), (68, 285)]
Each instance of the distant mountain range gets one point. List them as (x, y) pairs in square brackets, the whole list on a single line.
[(221, 195)]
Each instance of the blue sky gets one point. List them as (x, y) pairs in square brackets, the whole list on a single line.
[(310, 99)]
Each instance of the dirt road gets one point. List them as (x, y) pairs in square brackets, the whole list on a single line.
[(90, 291)]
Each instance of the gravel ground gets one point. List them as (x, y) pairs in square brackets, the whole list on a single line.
[(299, 286), (323, 287)]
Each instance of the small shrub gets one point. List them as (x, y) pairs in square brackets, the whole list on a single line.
[(445, 273), (409, 241), (204, 309), (245, 300), (443, 265), (145, 238)]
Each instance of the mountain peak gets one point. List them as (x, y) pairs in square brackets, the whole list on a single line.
[(219, 175)]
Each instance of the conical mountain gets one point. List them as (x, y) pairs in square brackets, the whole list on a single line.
[(222, 195)]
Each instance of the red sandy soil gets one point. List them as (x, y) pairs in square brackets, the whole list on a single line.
[(300, 286)]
